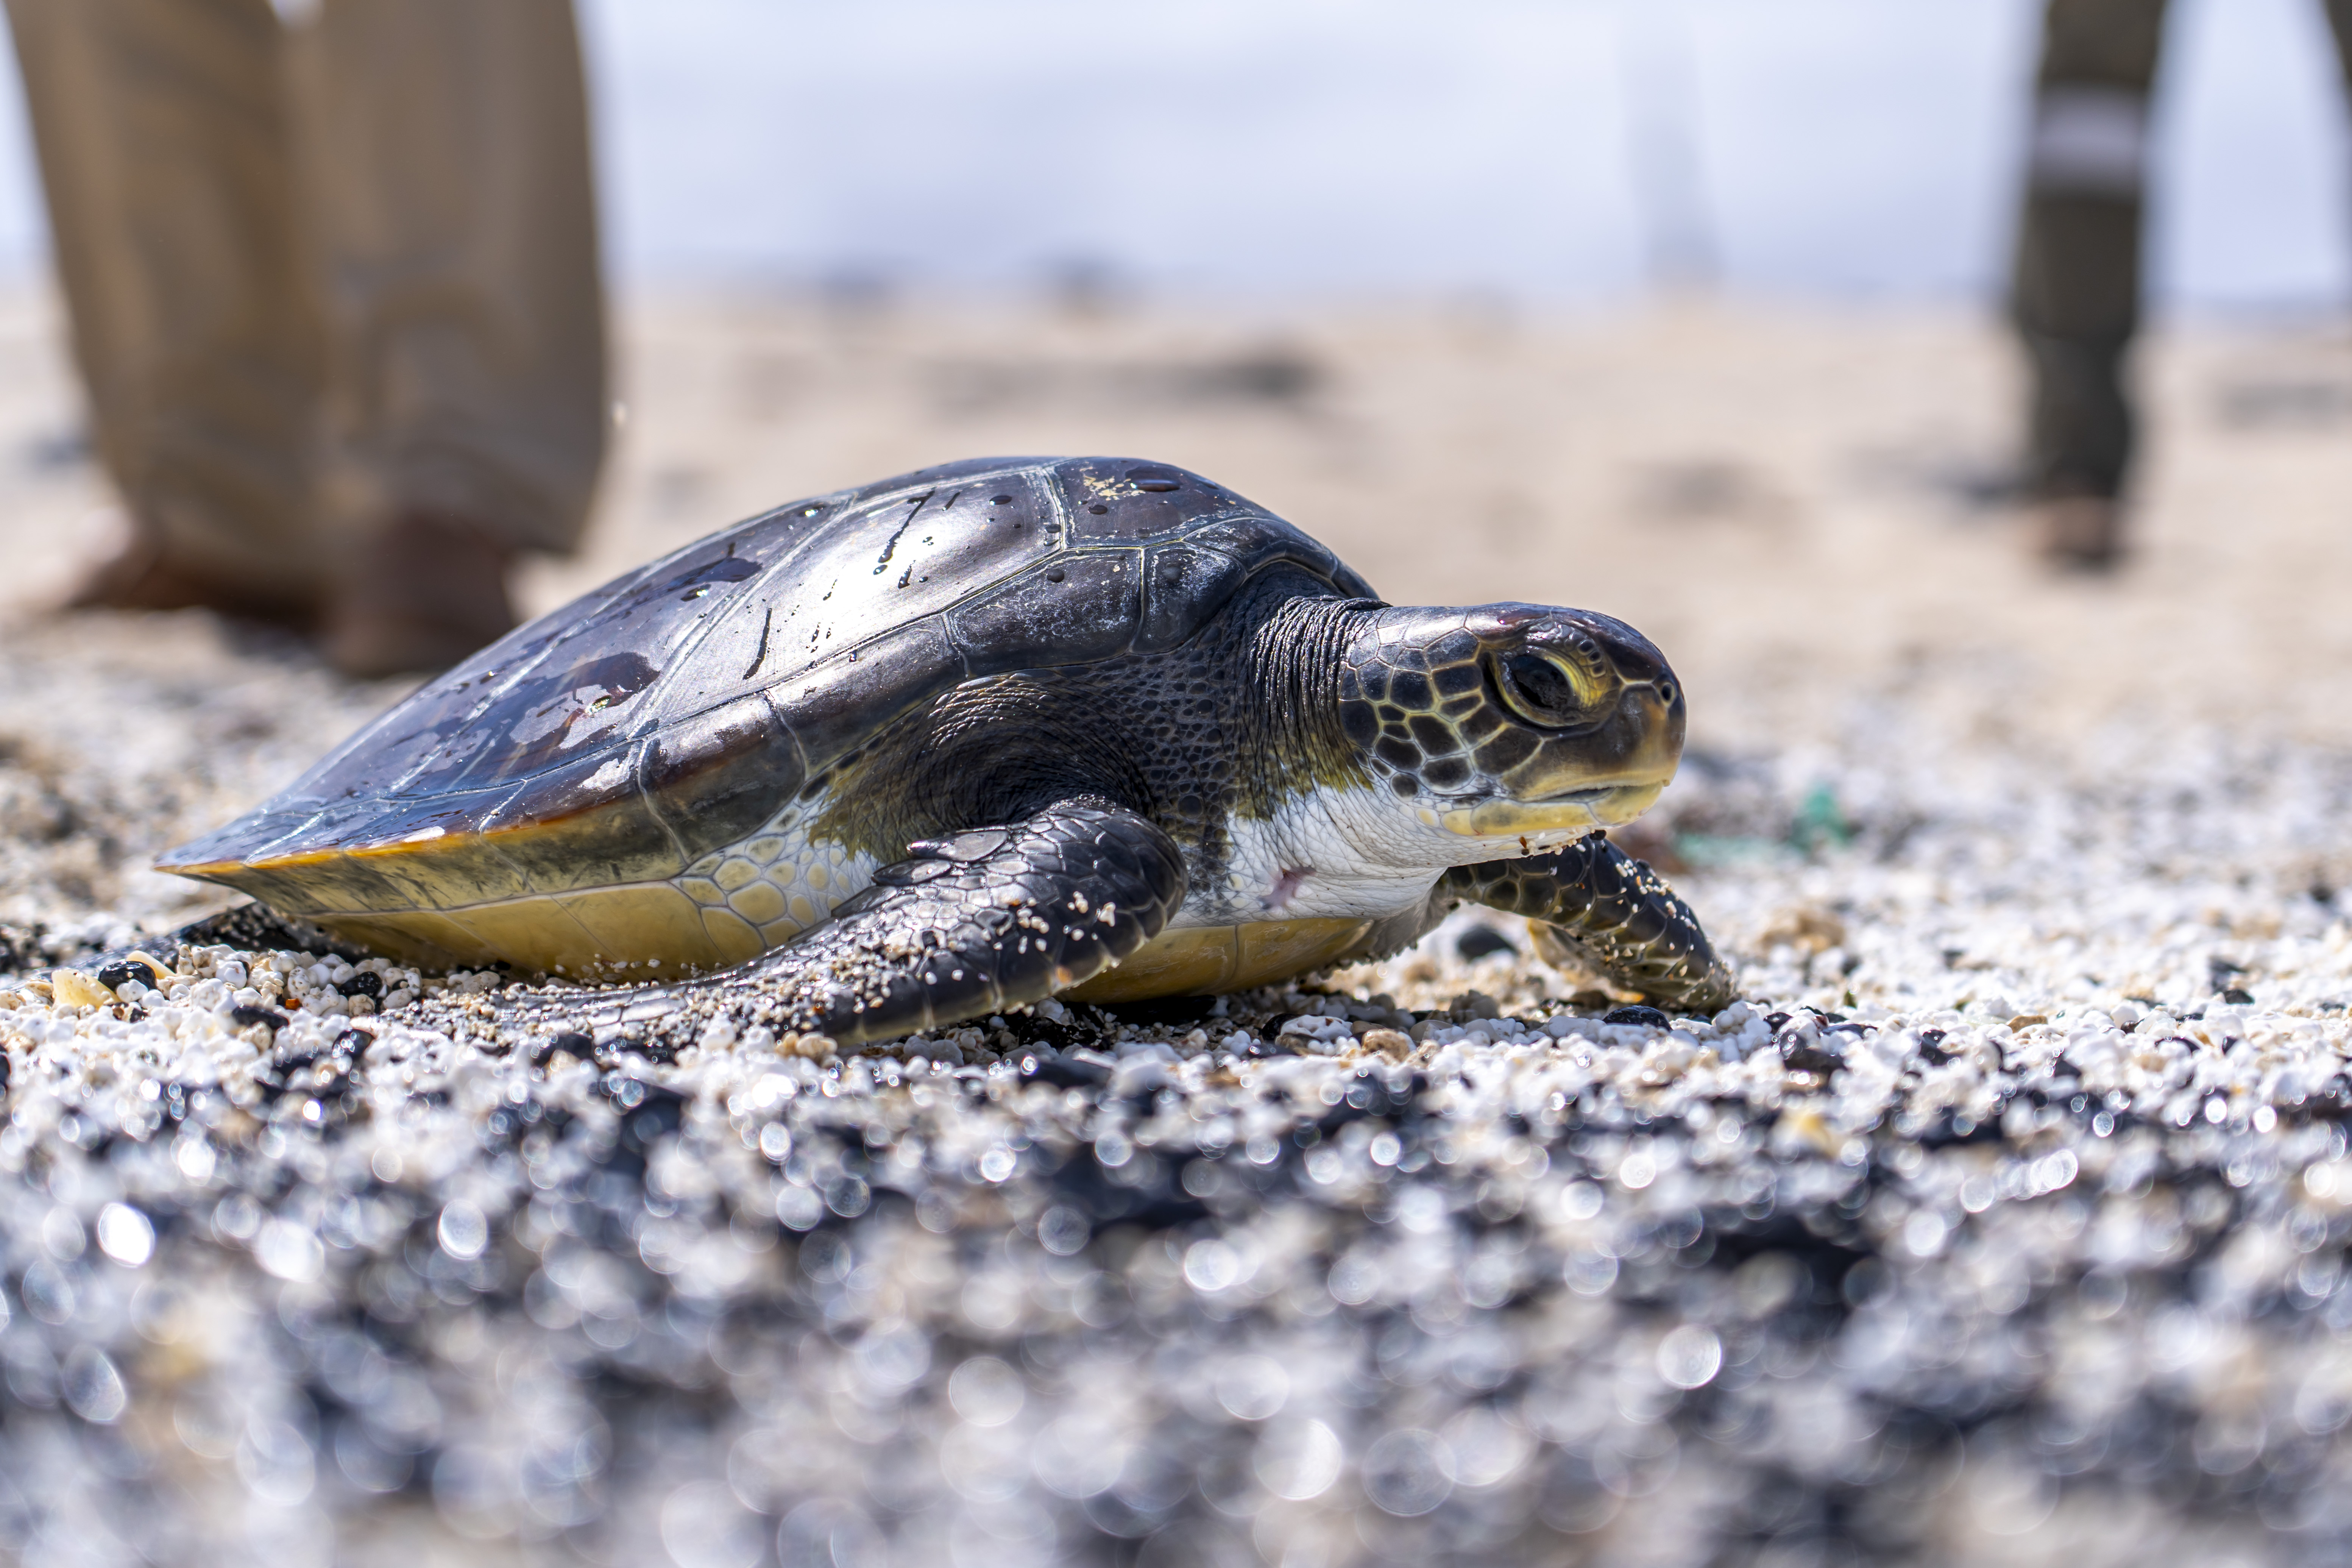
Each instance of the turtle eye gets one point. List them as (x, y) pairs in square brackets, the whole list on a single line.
[(1545, 692)]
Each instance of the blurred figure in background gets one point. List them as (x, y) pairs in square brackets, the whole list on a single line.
[(2076, 291), (331, 269)]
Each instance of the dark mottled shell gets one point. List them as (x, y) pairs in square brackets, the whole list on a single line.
[(677, 708)]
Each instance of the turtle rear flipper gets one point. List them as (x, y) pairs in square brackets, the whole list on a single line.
[(991, 919), (1609, 908)]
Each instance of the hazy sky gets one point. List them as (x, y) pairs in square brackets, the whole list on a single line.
[(1540, 147)]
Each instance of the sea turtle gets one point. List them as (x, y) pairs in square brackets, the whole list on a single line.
[(900, 756)]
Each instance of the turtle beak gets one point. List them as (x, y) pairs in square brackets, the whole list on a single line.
[(1577, 810)]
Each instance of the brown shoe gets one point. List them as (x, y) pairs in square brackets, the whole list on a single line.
[(2081, 534), (419, 596), (146, 577)]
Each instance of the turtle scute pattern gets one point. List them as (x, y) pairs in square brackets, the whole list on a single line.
[(779, 883)]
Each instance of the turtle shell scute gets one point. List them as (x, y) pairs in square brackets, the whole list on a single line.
[(718, 777), (834, 707), (1081, 606)]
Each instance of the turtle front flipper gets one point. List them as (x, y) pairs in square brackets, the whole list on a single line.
[(1611, 910), (991, 919)]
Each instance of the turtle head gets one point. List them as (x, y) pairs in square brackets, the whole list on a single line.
[(1512, 721)]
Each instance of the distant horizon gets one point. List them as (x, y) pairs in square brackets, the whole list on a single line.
[(1552, 155)]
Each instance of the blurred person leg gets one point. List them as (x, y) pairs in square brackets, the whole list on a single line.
[(161, 130), (447, 183), (2075, 289), (2339, 24)]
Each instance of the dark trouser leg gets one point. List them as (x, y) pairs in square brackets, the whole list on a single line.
[(2075, 286), (2083, 423)]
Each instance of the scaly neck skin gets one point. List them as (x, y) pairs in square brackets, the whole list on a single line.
[(1313, 836), (1292, 743)]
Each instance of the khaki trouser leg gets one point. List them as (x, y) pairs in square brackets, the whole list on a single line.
[(447, 183), (2075, 288), (162, 140)]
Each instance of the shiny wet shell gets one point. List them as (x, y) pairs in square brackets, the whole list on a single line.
[(578, 794)]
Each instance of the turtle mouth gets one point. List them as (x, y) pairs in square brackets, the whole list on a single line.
[(1592, 795), (1575, 810)]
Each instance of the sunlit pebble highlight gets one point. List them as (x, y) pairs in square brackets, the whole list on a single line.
[(1300, 1460), (125, 1234), (1212, 1266), (1253, 1387), (91, 1385), (1408, 1473), (289, 1251), (986, 1392), (1689, 1357), (62, 1236), (463, 1230)]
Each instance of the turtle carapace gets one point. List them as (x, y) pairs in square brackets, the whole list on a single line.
[(896, 757)]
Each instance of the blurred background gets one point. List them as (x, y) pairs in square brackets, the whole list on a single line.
[(1567, 151), (1561, 152)]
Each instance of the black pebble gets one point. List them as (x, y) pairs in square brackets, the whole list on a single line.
[(1636, 1015), (115, 976), (1161, 1009), (572, 1040), (1799, 1055), (244, 1016), (2236, 997), (366, 982), (295, 1062), (1063, 1073), (649, 1115), (1479, 940)]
